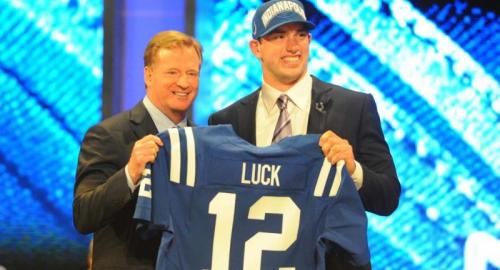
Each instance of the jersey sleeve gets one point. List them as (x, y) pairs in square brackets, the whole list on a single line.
[(144, 200), (154, 210), (160, 175), (145, 228)]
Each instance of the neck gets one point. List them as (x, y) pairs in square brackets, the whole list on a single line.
[(175, 117), (282, 85)]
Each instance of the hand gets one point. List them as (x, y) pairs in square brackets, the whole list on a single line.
[(143, 152), (335, 148)]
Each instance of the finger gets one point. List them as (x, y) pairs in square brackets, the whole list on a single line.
[(344, 151), (151, 145), (326, 147), (332, 157), (150, 139), (142, 159), (150, 158), (151, 150), (328, 135), (335, 157), (146, 147), (331, 142), (157, 140), (324, 137)]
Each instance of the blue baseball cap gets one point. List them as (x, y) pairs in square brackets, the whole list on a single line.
[(275, 13)]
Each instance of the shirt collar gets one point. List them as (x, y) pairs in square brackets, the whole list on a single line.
[(162, 122), (296, 93)]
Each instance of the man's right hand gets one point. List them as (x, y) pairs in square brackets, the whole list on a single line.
[(143, 152)]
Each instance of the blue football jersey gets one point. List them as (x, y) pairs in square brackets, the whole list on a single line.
[(224, 203)]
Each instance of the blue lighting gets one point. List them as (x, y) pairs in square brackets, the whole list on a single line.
[(50, 93)]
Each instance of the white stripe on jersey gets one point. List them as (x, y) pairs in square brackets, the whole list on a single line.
[(337, 179), (175, 155), (191, 157), (323, 176), (146, 181)]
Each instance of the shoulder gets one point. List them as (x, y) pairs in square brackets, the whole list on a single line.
[(106, 134), (121, 122), (225, 115), (336, 91), (343, 98), (339, 99)]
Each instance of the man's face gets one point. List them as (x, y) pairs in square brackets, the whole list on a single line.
[(172, 81), (283, 54)]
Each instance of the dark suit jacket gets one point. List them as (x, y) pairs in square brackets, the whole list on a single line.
[(354, 117), (103, 203)]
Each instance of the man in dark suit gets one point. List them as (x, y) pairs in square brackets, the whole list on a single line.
[(348, 120), (114, 153)]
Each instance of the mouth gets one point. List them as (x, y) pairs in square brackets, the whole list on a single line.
[(291, 59), (180, 93)]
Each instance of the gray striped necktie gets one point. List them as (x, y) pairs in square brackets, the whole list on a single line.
[(283, 126)]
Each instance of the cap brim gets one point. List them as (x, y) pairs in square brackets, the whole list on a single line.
[(309, 26)]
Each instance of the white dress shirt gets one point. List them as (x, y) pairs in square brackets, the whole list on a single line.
[(298, 108), (268, 112)]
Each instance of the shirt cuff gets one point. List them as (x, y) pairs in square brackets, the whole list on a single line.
[(130, 184), (357, 176)]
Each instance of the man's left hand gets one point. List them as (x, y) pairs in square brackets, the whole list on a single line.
[(335, 148)]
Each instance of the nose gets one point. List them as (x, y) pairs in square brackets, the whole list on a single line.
[(292, 42), (183, 81)]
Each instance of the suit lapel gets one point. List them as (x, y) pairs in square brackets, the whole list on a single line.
[(320, 104), (324, 114), (141, 122), (246, 117)]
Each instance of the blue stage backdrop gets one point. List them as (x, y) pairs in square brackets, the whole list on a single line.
[(434, 69), (50, 93)]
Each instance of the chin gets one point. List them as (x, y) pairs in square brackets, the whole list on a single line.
[(182, 108), (292, 78), (294, 73)]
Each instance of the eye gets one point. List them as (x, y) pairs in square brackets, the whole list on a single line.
[(172, 73), (303, 34), (276, 36), (280, 36), (193, 73)]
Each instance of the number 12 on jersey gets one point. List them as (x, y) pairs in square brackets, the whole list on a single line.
[(223, 207)]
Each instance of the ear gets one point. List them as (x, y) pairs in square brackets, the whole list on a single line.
[(255, 47), (148, 74)]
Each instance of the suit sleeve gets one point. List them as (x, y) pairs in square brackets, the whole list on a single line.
[(101, 190), (381, 188)]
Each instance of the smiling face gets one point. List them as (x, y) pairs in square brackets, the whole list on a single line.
[(283, 54), (172, 80)]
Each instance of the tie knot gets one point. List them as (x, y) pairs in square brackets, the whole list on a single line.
[(282, 102)]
